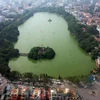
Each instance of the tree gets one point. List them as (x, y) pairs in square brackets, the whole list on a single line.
[(41, 53), (15, 75), (28, 75), (92, 30), (15, 53), (59, 77)]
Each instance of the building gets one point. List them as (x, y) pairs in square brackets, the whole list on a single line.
[(99, 61)]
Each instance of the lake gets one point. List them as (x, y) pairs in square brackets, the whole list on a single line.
[(70, 59)]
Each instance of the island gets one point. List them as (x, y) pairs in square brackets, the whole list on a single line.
[(49, 20), (37, 53)]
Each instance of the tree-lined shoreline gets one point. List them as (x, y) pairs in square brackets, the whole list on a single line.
[(9, 33)]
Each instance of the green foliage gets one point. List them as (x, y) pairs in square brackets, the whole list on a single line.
[(44, 77), (77, 79), (92, 30), (15, 53), (8, 34), (41, 53), (28, 75), (59, 77), (3, 68), (7, 51), (95, 53), (14, 75)]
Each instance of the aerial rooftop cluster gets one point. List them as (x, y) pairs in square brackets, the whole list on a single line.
[(18, 90)]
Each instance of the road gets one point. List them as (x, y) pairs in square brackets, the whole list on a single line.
[(85, 92)]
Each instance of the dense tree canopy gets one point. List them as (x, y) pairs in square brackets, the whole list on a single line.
[(41, 53), (7, 51), (9, 32), (8, 35), (92, 30)]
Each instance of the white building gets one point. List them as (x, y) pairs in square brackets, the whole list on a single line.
[(99, 61)]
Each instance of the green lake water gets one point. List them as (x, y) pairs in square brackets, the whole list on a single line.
[(70, 59)]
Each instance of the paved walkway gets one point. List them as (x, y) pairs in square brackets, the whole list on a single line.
[(85, 92)]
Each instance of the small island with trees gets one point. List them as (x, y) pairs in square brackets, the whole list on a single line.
[(49, 20), (37, 53)]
